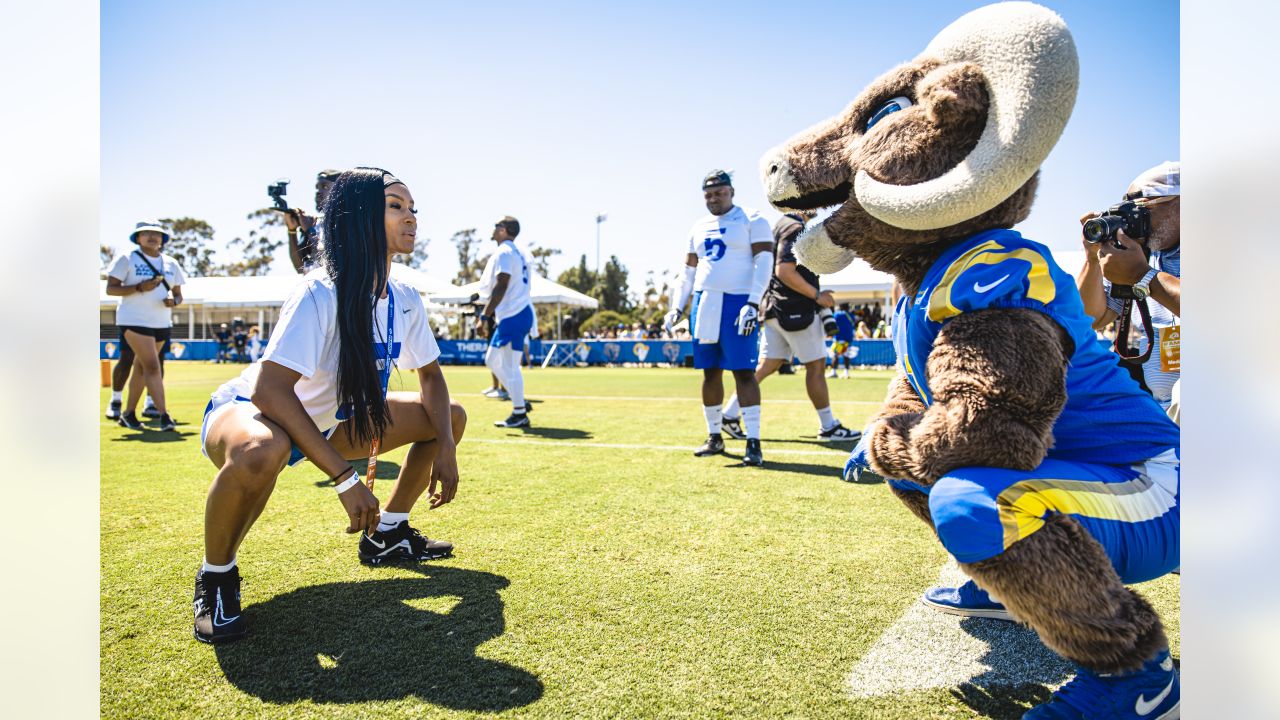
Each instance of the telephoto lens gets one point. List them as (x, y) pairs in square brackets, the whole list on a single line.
[(1103, 228)]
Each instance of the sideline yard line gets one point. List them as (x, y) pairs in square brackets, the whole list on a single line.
[(835, 455), (929, 649), (694, 398)]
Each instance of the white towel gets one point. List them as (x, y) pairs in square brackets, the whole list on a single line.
[(707, 323)]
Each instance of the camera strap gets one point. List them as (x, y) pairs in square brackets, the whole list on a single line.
[(1130, 354), (154, 271)]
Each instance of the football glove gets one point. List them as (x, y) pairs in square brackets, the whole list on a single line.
[(748, 318), (670, 319), (858, 467)]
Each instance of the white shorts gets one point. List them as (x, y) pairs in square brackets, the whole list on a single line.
[(806, 345)]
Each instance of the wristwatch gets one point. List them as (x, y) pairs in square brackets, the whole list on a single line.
[(1142, 288)]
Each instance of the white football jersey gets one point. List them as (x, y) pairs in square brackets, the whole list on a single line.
[(723, 246), (509, 258)]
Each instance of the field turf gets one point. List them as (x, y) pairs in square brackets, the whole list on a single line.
[(600, 571)]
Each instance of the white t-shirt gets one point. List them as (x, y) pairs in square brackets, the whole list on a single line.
[(145, 309), (509, 259), (723, 246), (305, 339)]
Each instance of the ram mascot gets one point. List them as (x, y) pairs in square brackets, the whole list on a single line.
[(1043, 468)]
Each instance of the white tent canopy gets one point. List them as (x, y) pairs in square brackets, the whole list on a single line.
[(858, 279), (270, 290), (541, 291)]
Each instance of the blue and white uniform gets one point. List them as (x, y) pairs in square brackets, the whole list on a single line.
[(515, 318), (514, 315), (722, 285), (305, 339), (1114, 462)]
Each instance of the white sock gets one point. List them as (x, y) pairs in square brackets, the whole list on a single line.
[(207, 567), (712, 413), (116, 395), (730, 411), (827, 418), (515, 380), (389, 520), (751, 421), (150, 403)]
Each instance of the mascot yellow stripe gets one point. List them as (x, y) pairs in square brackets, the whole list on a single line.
[(1040, 283), (1022, 506)]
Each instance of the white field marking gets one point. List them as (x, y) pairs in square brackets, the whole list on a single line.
[(839, 456), (671, 399), (926, 648)]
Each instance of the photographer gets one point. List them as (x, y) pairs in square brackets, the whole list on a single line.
[(791, 307), (304, 229), (1152, 267)]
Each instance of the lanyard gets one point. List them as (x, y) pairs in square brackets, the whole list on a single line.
[(384, 375)]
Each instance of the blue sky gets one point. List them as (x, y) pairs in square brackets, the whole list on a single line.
[(553, 111)]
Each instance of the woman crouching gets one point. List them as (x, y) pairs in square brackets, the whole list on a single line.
[(326, 369)]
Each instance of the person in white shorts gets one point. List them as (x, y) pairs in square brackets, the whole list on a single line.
[(793, 328), (320, 393)]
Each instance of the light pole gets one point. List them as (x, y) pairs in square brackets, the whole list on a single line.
[(600, 217)]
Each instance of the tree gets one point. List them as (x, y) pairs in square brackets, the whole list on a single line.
[(256, 253), (542, 259), (656, 300), (611, 287), (189, 244), (470, 264), (580, 278)]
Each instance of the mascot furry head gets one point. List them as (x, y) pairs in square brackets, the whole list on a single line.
[(1010, 429), (940, 147)]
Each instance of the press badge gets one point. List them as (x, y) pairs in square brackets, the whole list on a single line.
[(1171, 348)]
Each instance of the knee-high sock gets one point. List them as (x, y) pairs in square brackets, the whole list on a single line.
[(731, 411), (515, 378), (496, 359)]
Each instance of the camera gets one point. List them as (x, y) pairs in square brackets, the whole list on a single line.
[(1129, 216), (277, 192)]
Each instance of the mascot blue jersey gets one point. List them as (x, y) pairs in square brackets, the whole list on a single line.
[(1108, 418)]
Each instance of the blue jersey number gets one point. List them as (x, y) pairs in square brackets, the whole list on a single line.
[(713, 248)]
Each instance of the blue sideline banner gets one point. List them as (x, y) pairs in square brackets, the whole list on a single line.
[(592, 352)]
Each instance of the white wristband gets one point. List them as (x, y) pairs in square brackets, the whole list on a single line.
[(349, 483)]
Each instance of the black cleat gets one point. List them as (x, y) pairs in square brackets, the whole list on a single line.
[(401, 544), (515, 420), (113, 410), (733, 428), (217, 606), (713, 446), (130, 421), (753, 456), (840, 433), (150, 411), (167, 423)]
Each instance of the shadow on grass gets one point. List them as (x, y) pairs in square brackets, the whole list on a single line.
[(381, 640), (815, 441), (387, 470), (552, 433), (789, 467), (1019, 669), (157, 436)]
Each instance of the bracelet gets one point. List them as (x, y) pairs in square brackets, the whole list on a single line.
[(350, 482)]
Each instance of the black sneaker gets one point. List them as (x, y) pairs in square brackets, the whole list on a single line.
[(217, 606), (150, 411), (401, 544), (713, 446), (515, 420), (840, 433), (113, 410), (167, 423), (753, 455), (130, 421), (733, 428)]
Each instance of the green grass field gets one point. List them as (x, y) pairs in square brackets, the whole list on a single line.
[(600, 570)]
